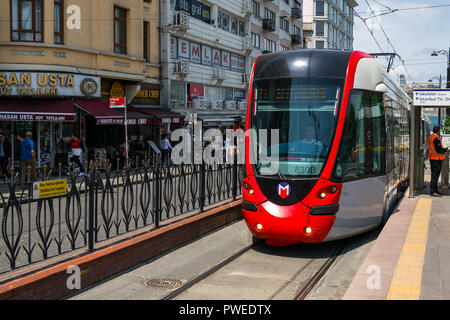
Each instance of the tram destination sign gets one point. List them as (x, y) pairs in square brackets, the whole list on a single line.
[(432, 97)]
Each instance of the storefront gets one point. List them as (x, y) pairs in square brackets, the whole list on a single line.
[(41, 102)]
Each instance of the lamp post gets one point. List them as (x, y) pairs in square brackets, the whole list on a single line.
[(436, 53)]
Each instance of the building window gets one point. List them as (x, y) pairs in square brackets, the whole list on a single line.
[(269, 14), (320, 8), (120, 30), (59, 22), (269, 45), (26, 20), (283, 48), (320, 30), (284, 24), (146, 56), (320, 44), (255, 9), (255, 40)]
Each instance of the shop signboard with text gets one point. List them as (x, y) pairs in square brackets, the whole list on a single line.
[(117, 103), (48, 84)]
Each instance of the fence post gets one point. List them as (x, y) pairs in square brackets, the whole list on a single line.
[(202, 195), (234, 175), (157, 200), (91, 210)]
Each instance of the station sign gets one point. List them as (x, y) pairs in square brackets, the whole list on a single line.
[(432, 97)]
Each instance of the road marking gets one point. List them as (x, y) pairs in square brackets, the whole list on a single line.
[(406, 282)]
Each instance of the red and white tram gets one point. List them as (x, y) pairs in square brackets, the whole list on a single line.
[(341, 156)]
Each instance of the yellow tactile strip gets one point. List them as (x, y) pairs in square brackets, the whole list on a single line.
[(407, 277)]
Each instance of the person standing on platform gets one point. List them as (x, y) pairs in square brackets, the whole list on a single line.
[(165, 146), (436, 153), (5, 157), (78, 149), (27, 157)]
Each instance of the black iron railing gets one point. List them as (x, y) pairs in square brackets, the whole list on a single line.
[(103, 204)]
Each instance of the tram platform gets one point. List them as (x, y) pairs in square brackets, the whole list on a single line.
[(410, 258)]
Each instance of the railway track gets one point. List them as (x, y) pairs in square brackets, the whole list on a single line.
[(302, 292)]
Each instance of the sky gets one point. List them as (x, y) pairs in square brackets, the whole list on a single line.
[(414, 35)]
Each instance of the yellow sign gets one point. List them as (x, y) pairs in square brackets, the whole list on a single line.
[(116, 90), (49, 189)]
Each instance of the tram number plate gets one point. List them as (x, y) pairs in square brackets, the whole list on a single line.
[(307, 169)]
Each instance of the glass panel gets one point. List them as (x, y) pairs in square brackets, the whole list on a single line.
[(15, 36), (304, 111), (38, 16), (15, 15), (57, 18), (320, 8), (27, 15), (361, 154), (26, 36), (117, 32)]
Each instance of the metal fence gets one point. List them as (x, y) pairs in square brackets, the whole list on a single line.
[(104, 204)]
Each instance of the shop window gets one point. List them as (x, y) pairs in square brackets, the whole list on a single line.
[(120, 30), (26, 20), (362, 150), (59, 22)]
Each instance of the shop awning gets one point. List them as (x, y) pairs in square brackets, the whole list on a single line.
[(104, 115), (37, 110), (160, 115)]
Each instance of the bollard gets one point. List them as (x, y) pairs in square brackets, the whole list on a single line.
[(444, 175)]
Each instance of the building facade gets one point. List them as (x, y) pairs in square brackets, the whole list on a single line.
[(61, 61), (205, 59), (328, 24), (276, 26)]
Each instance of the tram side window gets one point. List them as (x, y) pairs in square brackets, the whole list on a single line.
[(361, 153)]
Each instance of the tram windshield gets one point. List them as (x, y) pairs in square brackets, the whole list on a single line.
[(294, 120)]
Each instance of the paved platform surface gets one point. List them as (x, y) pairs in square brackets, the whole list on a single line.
[(410, 259)]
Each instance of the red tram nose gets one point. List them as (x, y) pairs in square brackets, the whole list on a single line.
[(285, 225)]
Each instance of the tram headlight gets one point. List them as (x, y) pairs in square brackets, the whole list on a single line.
[(258, 226), (307, 230), (333, 189), (323, 195), (251, 192), (246, 185)]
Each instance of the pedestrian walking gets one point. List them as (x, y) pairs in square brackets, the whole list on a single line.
[(5, 157), (27, 157), (436, 153), (165, 146), (78, 149)]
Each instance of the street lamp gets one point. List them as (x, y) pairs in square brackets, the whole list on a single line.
[(436, 53)]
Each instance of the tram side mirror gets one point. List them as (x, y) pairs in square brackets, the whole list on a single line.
[(381, 87)]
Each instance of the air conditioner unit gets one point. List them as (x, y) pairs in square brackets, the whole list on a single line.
[(219, 74), (198, 103), (246, 78), (181, 20), (242, 105), (217, 104), (181, 67), (230, 105)]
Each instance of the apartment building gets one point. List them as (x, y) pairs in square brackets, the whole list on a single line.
[(61, 61), (328, 24), (276, 25), (205, 59)]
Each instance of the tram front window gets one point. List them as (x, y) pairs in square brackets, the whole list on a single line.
[(304, 114)]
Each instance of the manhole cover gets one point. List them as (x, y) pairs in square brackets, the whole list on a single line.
[(163, 283)]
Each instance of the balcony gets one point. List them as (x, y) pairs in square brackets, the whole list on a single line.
[(296, 12), (269, 25)]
